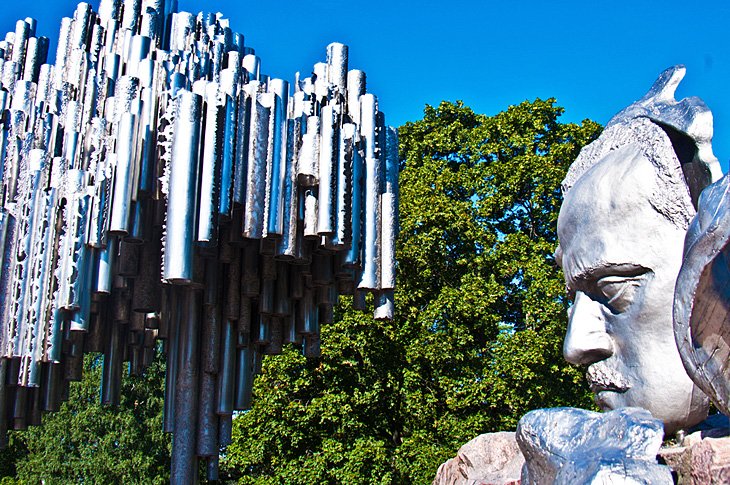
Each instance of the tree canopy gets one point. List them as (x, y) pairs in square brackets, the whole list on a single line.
[(480, 315), (86, 442)]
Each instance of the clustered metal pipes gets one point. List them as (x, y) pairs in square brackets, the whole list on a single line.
[(157, 187)]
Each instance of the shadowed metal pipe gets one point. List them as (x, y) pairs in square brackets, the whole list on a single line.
[(183, 469), (171, 358), (207, 441), (227, 369), (354, 254), (244, 378), (343, 197)]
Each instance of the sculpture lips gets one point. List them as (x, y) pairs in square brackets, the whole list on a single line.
[(602, 378)]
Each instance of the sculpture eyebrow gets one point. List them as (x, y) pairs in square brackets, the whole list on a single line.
[(605, 268)]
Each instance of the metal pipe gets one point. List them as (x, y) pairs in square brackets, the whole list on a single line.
[(227, 369), (183, 469), (371, 218), (182, 200), (327, 174), (211, 165), (256, 186)]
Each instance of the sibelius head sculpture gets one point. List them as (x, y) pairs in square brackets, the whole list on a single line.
[(629, 198)]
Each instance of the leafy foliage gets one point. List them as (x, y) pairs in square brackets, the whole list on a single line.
[(479, 323), (86, 442)]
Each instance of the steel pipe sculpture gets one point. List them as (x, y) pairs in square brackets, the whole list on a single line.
[(157, 187)]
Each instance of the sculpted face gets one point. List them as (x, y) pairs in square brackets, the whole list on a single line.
[(621, 258)]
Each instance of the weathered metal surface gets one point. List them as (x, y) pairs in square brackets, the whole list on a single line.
[(156, 185), (568, 445)]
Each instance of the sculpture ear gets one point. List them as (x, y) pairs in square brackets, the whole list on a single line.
[(558, 255)]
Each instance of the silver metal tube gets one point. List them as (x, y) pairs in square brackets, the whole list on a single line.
[(327, 173), (371, 218), (171, 358), (182, 201), (310, 215), (253, 220), (286, 247), (22, 33), (276, 159), (385, 305), (80, 29), (104, 267), (132, 10), (230, 150), (353, 258), (356, 86), (211, 165), (240, 170), (389, 211), (252, 64), (124, 175), (337, 67), (308, 162)]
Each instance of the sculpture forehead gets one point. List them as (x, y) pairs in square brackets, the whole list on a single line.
[(608, 217)]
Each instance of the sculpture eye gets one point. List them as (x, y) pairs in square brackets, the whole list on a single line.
[(618, 292)]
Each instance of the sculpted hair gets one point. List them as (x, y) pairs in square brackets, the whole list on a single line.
[(671, 194)]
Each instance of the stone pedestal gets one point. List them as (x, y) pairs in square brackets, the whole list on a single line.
[(488, 459)]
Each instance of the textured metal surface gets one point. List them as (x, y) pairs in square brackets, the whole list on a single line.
[(156, 185), (567, 446)]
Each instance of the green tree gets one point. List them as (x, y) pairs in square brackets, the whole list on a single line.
[(86, 442), (479, 323)]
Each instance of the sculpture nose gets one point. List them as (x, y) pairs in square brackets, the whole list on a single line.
[(586, 340)]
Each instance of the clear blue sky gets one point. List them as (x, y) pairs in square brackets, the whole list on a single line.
[(594, 57)]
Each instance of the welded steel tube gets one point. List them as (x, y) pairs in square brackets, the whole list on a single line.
[(276, 159), (227, 370), (287, 246), (182, 203), (327, 172), (183, 469), (389, 211), (253, 221), (308, 162), (211, 165), (371, 218), (337, 66), (124, 172)]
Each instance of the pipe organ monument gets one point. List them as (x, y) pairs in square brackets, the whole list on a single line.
[(159, 191)]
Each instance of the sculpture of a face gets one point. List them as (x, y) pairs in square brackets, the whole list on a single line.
[(620, 257)]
